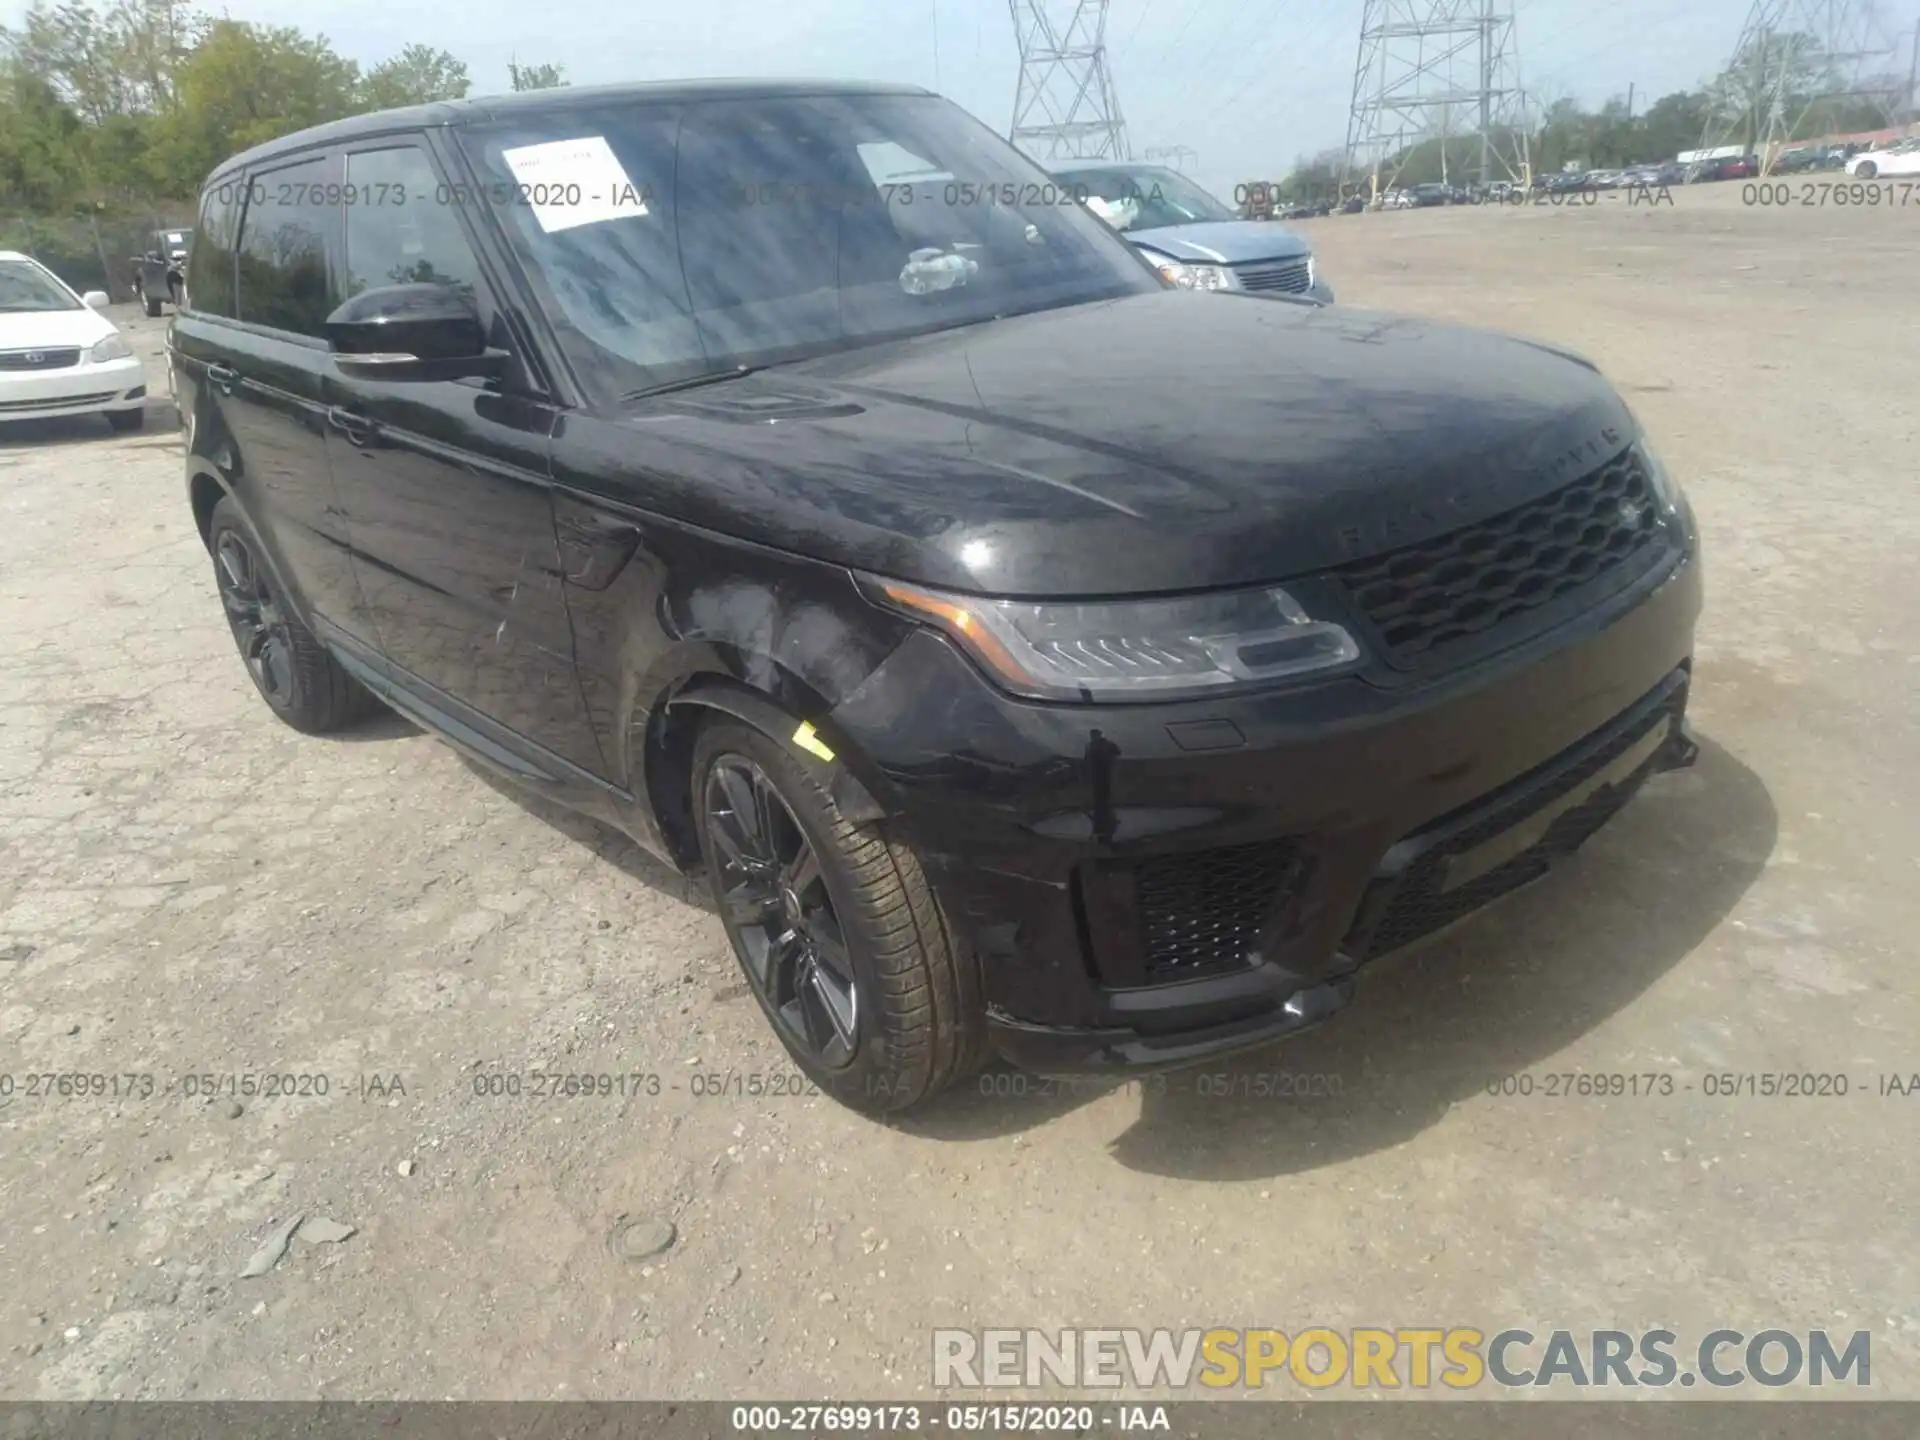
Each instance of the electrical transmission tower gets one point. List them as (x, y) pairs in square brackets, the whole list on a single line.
[(1435, 70), (1794, 56), (1064, 107)]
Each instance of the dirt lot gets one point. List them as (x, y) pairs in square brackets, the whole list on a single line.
[(186, 888)]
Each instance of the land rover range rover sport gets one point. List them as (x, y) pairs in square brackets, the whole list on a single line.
[(1030, 653)]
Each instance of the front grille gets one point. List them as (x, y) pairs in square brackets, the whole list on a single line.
[(1426, 597), (39, 359), (1202, 913), (1414, 902), (1292, 276), (57, 402)]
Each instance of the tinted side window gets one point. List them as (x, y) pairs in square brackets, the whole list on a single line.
[(398, 230), (210, 261), (283, 249)]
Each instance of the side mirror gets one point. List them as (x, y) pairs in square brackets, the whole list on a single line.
[(95, 300), (411, 332)]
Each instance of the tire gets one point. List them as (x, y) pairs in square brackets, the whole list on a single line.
[(1866, 170), (173, 293), (151, 304), (300, 681), (125, 422), (911, 1015)]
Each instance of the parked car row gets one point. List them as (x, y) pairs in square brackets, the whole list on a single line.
[(1671, 173), (1812, 157)]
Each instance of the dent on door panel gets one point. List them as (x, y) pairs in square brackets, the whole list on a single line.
[(654, 603), (449, 504)]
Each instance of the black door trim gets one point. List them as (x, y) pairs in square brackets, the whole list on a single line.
[(485, 739)]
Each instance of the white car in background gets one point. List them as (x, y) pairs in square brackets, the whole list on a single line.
[(1900, 158), (58, 354)]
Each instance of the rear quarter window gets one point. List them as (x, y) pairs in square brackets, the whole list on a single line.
[(210, 265)]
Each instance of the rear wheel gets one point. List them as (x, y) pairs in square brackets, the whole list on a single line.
[(1867, 170), (839, 934), (300, 681), (173, 293), (149, 303)]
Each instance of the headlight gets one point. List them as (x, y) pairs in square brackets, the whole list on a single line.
[(1665, 488), (1117, 650), (114, 347), (1198, 277)]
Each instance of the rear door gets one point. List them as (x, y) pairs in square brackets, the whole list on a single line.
[(447, 483), (251, 346)]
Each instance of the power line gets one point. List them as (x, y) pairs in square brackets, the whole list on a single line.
[(1138, 21)]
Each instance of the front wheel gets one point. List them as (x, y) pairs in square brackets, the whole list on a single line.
[(840, 936), (1867, 170)]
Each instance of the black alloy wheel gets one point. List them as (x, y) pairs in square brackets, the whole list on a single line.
[(839, 934), (779, 914), (295, 674), (259, 626)]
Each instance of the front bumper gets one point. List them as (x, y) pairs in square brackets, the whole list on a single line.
[(1360, 816), (77, 390)]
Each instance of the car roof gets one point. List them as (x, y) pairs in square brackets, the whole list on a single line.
[(17, 255), (441, 113), (1069, 169)]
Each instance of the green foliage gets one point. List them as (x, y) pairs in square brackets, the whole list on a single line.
[(416, 75), (536, 77), (241, 86), (123, 104)]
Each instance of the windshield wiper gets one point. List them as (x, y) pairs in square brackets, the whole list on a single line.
[(692, 382)]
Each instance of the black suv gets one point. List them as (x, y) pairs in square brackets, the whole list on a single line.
[(159, 273), (1032, 655)]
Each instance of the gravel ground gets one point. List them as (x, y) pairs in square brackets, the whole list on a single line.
[(189, 889)]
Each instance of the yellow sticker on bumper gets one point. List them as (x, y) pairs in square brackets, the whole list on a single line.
[(808, 739)]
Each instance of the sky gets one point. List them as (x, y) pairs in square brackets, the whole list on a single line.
[(1247, 85)]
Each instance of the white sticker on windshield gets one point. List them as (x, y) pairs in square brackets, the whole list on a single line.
[(569, 183)]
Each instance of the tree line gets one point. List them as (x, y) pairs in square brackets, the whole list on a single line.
[(1562, 132), (123, 105)]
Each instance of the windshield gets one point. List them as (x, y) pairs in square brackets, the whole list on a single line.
[(1146, 197), (678, 240), (26, 287)]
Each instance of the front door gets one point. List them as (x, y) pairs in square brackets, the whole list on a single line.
[(446, 484)]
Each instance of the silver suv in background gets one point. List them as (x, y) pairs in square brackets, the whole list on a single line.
[(1193, 239)]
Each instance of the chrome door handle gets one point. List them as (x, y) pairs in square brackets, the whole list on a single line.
[(358, 429)]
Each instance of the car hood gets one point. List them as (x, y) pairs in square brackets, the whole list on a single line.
[(1222, 242), (1164, 442), (53, 329)]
